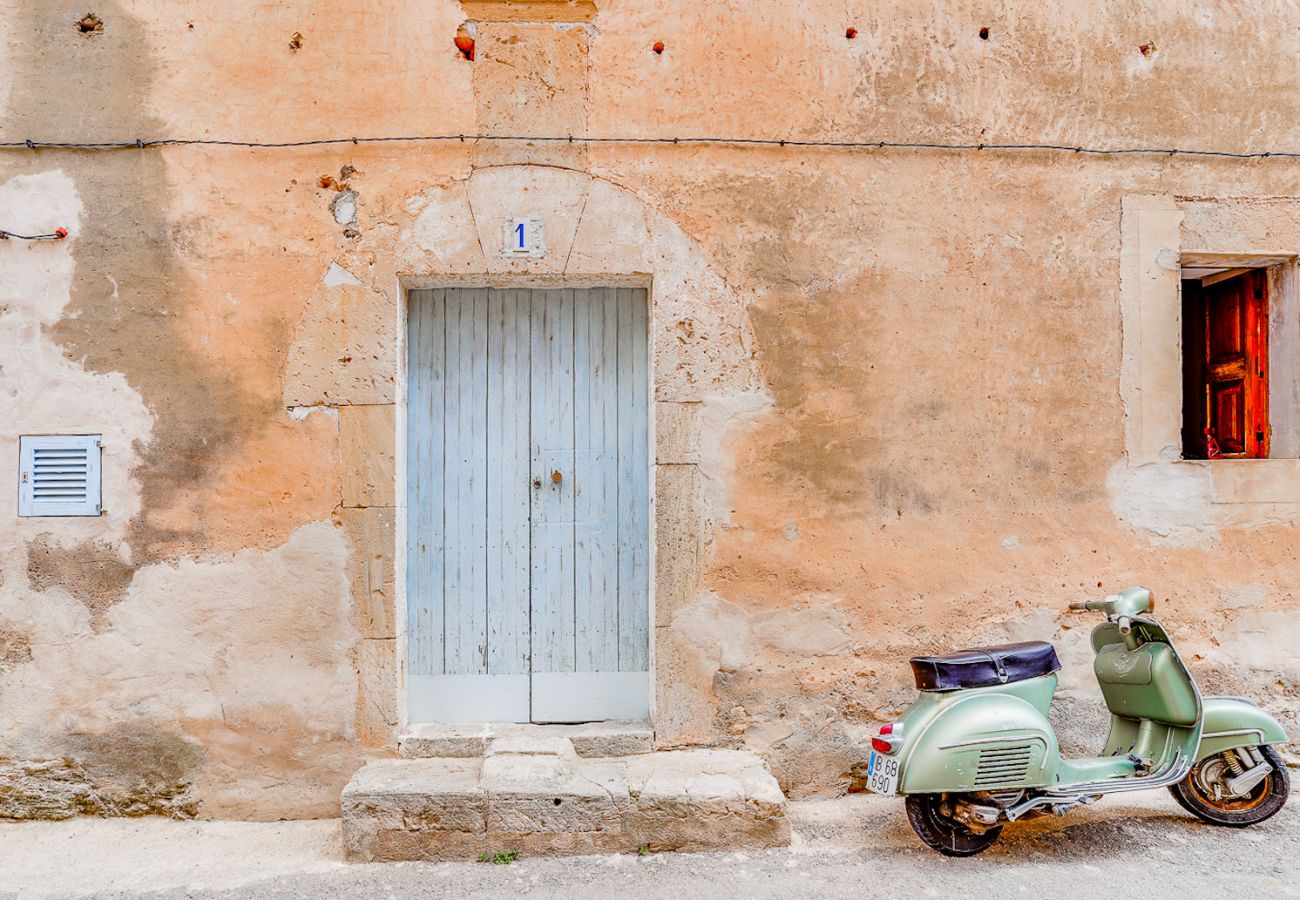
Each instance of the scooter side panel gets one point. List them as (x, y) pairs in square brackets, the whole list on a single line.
[(979, 741), (1233, 722)]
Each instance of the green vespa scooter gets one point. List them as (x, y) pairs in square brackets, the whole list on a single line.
[(975, 751)]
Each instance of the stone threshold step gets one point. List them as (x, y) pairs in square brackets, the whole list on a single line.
[(461, 741), (538, 797)]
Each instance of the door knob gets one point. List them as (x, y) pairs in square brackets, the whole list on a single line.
[(556, 477)]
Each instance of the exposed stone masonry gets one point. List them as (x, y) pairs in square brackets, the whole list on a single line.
[(531, 793)]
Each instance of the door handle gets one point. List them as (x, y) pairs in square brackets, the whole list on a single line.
[(556, 477)]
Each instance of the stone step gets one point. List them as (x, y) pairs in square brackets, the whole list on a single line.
[(536, 796), (461, 741)]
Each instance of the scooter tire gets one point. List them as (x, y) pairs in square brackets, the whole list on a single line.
[(1269, 796), (942, 833), (1178, 798)]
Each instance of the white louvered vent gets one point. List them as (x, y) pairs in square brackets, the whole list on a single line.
[(59, 475)]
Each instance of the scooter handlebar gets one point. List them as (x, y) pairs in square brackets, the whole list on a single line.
[(1135, 601)]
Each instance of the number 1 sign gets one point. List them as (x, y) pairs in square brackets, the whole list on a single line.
[(523, 237)]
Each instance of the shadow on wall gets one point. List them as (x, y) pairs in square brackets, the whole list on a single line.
[(129, 291), (128, 302)]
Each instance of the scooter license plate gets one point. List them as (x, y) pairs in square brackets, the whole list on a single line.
[(882, 774)]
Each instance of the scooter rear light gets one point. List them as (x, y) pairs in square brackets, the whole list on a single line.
[(890, 738)]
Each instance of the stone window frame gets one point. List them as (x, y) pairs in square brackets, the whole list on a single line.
[(1151, 385)]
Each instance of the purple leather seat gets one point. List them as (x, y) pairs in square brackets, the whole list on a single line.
[(985, 666)]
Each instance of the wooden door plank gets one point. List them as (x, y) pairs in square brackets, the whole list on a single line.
[(633, 481), (466, 500), (508, 486), (552, 506), (1258, 428), (595, 331), (426, 354)]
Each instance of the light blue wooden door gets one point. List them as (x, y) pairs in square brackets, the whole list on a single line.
[(528, 505)]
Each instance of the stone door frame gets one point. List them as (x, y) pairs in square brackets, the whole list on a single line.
[(348, 356)]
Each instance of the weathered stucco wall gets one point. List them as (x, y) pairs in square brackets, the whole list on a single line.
[(888, 382)]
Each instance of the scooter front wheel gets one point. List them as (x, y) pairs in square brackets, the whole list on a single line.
[(931, 819), (1202, 792)]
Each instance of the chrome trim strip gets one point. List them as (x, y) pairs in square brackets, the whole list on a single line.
[(1175, 772), (1218, 734), (1080, 793), (997, 740)]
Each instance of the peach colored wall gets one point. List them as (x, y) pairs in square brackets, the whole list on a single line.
[(888, 381)]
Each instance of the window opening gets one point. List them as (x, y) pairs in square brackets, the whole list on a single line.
[(1225, 363)]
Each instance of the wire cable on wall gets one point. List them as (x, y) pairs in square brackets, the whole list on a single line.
[(57, 235), (141, 144)]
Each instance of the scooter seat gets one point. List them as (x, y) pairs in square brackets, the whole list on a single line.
[(985, 666)]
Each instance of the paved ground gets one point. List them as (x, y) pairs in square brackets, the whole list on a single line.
[(1141, 847)]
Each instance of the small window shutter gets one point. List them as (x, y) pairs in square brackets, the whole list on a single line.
[(59, 475), (1234, 366)]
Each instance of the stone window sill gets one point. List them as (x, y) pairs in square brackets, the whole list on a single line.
[(1251, 480)]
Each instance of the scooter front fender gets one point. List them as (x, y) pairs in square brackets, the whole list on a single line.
[(977, 742), (1232, 722)]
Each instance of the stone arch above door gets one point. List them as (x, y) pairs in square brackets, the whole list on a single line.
[(345, 348)]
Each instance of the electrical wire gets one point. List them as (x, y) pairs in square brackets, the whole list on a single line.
[(141, 144), (57, 235)]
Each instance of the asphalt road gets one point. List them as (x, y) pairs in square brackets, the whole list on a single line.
[(1139, 847)]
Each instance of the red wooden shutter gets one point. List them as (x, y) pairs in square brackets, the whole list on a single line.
[(1235, 361)]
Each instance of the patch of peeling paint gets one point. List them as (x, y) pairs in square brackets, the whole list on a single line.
[(1168, 504), (250, 654), (336, 275), (49, 393)]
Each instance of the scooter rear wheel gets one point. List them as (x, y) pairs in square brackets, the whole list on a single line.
[(936, 827), (1195, 792)]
